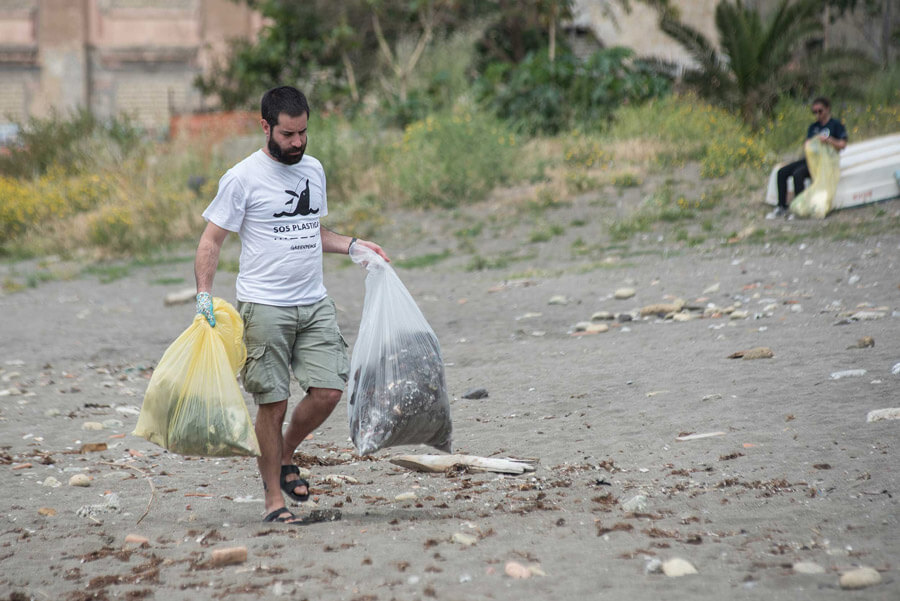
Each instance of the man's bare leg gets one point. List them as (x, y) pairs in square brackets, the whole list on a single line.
[(269, 420), (309, 414)]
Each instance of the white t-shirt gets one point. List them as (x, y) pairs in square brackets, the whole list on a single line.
[(275, 209)]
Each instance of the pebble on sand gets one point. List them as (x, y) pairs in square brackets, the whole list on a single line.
[(406, 496), (137, 539), (860, 578), (466, 540), (864, 342), (759, 352), (624, 293), (876, 415), (807, 567), (678, 567), (82, 480), (228, 556), (91, 426), (516, 570), (662, 309)]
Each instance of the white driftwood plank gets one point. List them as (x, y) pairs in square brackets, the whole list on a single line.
[(442, 463), (698, 436)]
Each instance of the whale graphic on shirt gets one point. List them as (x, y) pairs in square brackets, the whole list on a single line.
[(302, 201)]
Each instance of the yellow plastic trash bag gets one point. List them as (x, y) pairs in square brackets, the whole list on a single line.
[(825, 170), (193, 404)]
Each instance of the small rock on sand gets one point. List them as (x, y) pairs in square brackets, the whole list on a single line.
[(624, 293), (860, 578), (82, 480), (807, 567), (759, 352), (516, 570), (864, 342), (876, 415), (228, 556), (466, 540), (678, 567), (661, 309), (137, 539)]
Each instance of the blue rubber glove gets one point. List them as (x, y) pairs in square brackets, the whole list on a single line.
[(205, 307)]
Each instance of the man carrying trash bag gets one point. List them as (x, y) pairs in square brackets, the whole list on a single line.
[(274, 200)]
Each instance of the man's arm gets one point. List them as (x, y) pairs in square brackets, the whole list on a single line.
[(836, 143), (332, 242), (207, 259)]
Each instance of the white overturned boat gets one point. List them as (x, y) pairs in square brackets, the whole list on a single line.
[(869, 173)]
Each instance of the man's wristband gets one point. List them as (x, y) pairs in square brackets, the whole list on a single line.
[(349, 246)]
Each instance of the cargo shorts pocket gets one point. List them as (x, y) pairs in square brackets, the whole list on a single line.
[(257, 374), (343, 359)]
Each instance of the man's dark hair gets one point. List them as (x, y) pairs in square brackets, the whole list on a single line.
[(823, 101), (284, 99)]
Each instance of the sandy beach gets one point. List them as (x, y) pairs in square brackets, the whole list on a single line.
[(651, 444)]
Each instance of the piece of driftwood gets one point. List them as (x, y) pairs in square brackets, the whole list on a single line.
[(687, 437), (180, 297), (442, 463)]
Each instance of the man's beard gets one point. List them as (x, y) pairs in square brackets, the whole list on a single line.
[(282, 157)]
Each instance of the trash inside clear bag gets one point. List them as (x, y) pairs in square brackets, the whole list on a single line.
[(397, 391), (825, 170), (193, 404)]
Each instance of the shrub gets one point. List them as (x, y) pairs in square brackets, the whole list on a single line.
[(784, 132), (68, 142), (449, 159), (113, 228), (543, 96), (55, 196), (695, 130)]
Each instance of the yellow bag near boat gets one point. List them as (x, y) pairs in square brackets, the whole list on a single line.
[(825, 170), (193, 404)]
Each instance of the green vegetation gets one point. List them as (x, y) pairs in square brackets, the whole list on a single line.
[(767, 57), (493, 127), (450, 159), (540, 95), (420, 261)]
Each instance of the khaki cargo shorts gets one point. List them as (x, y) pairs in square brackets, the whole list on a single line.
[(305, 340)]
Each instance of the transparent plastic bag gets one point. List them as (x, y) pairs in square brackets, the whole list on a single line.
[(825, 170), (397, 390), (193, 404)]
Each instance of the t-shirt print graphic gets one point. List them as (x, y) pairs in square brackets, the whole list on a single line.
[(302, 200)]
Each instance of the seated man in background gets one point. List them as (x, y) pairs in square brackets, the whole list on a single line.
[(831, 132)]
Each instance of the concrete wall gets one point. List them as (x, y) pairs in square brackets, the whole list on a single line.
[(134, 56), (638, 28)]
